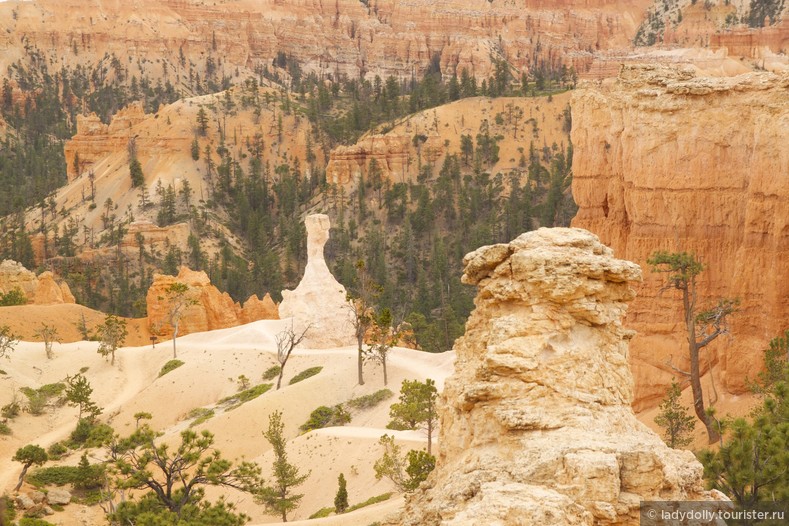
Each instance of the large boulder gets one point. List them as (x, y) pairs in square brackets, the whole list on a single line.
[(536, 424), (39, 290)]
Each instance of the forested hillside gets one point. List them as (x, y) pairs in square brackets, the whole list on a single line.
[(496, 172)]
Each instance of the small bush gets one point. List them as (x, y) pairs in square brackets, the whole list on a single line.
[(272, 372), (33, 521), (57, 450), (303, 375), (321, 513), (370, 400), (53, 476), (246, 395), (325, 416), (13, 297), (170, 366), (52, 390), (370, 502), (10, 410), (4, 429), (200, 415), (91, 434)]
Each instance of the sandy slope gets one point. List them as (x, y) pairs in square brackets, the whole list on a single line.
[(213, 362)]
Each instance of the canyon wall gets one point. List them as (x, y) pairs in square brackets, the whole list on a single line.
[(39, 290), (536, 424), (667, 160), (383, 37)]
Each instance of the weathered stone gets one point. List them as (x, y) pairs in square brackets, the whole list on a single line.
[(24, 502), (36, 496), (58, 496), (536, 424), (669, 160), (319, 301), (39, 290)]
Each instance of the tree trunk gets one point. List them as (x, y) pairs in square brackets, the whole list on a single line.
[(21, 477), (695, 374), (430, 437), (386, 379), (281, 372), (175, 335), (359, 363)]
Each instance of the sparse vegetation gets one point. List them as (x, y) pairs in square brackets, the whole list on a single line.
[(287, 340), (272, 372), (306, 373), (7, 341), (406, 472), (170, 366), (4, 429), (370, 400), (369, 502), (13, 297), (199, 415), (242, 397), (325, 416)]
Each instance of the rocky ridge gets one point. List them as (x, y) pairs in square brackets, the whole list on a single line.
[(39, 290), (212, 309), (536, 424), (669, 160)]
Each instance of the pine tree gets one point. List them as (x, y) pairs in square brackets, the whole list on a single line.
[(677, 424), (341, 499), (279, 497)]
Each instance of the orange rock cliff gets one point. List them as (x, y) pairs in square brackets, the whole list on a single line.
[(666, 160)]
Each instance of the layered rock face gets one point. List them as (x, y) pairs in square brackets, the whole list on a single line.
[(536, 423), (319, 301), (212, 310), (666, 160), (39, 290), (383, 37)]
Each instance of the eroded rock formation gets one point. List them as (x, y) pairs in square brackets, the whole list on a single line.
[(212, 309), (39, 290), (536, 423), (319, 301), (667, 160)]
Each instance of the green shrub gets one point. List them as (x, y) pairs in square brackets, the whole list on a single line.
[(91, 434), (4, 429), (53, 476), (246, 395), (33, 521), (52, 390), (306, 373), (272, 372), (57, 450), (321, 513), (13, 297), (370, 502), (37, 398), (325, 416), (170, 366), (370, 400), (10, 410), (200, 415)]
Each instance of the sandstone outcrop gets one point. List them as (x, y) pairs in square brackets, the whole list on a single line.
[(212, 309), (39, 290), (536, 424), (667, 160), (319, 301)]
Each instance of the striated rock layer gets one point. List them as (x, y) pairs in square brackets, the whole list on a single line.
[(666, 160), (39, 290), (536, 423), (319, 301), (212, 309)]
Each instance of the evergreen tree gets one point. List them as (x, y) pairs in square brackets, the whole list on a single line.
[(416, 408), (341, 499), (279, 497), (677, 424)]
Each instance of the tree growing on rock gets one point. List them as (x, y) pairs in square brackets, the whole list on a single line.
[(49, 334), (179, 297), (112, 334), (287, 340), (677, 424), (279, 497), (7, 341), (703, 327), (29, 455), (416, 408)]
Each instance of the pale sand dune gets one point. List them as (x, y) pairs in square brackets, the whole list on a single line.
[(212, 363)]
